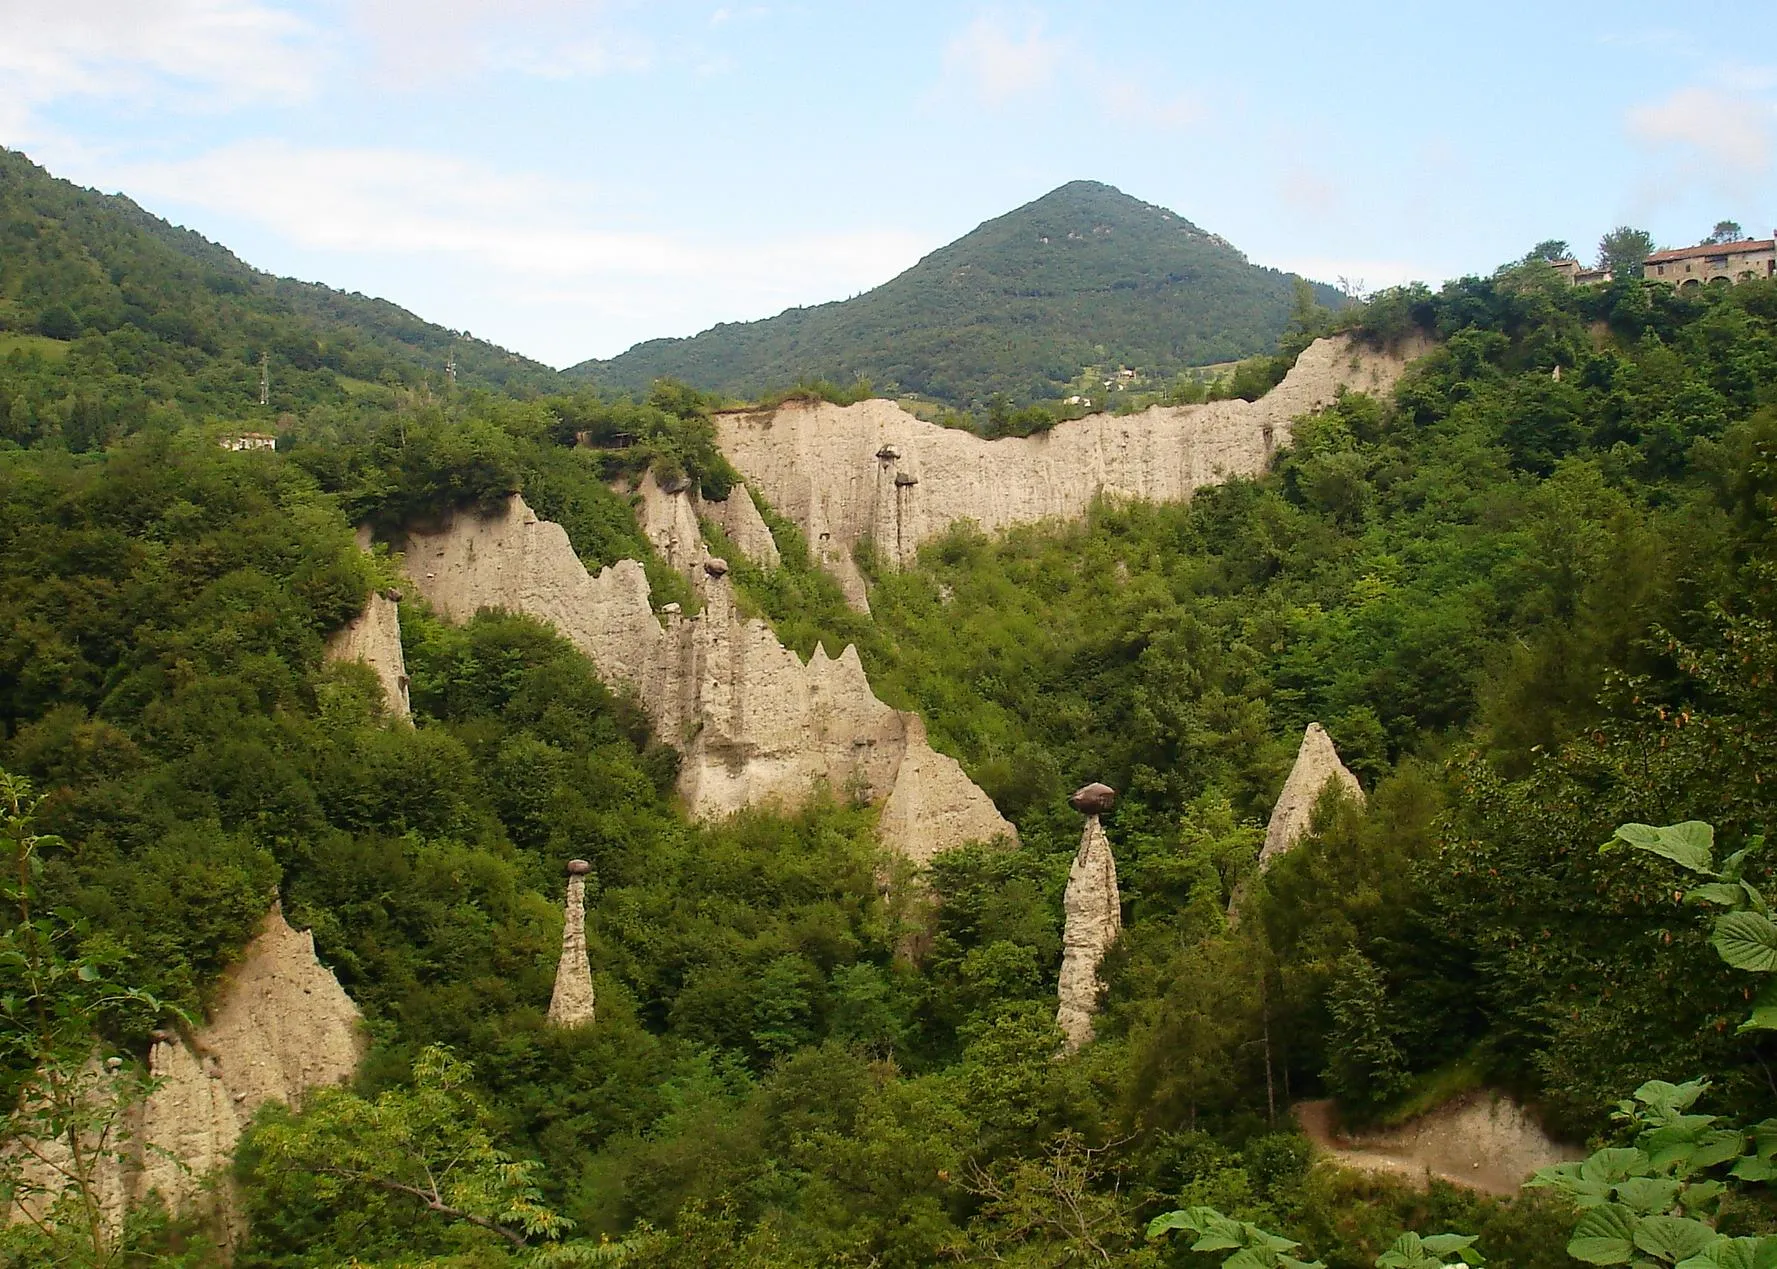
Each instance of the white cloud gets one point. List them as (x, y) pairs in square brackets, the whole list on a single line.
[(1729, 135), (999, 63), (1127, 101), (424, 41), (526, 236), (210, 53)]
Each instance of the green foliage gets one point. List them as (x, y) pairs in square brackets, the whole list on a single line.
[(431, 1145), (155, 325), (1083, 276), (1653, 1202), (67, 1127)]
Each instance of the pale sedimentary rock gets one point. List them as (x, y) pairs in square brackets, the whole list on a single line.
[(1317, 765), (572, 1004), (745, 527), (873, 473), (756, 725), (283, 1025), (669, 520), (1094, 917), (1483, 1140), (374, 637)]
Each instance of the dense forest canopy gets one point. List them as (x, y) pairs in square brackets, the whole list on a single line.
[(112, 319), (1084, 276), (1529, 593)]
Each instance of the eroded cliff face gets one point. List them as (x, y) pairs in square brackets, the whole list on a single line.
[(283, 1025), (1317, 764), (873, 473), (374, 637), (1094, 919), (670, 521), (755, 724)]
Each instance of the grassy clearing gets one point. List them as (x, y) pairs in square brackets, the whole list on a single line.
[(18, 341)]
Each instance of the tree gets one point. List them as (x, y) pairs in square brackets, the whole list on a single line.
[(1550, 249), (1724, 231), (1624, 250), (68, 1110), (431, 1143)]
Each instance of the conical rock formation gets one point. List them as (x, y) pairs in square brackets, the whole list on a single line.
[(1094, 914), (374, 637), (872, 472), (573, 1003), (283, 1026), (755, 723), (1317, 764)]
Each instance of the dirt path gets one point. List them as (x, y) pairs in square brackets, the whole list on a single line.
[(1482, 1140)]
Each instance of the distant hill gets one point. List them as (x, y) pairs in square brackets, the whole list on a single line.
[(109, 314), (1085, 275)]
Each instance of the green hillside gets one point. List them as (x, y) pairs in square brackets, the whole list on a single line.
[(1085, 275), (111, 317)]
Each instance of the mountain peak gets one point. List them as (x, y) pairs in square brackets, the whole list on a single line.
[(1085, 275)]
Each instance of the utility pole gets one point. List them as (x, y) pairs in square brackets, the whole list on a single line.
[(265, 378), (450, 365)]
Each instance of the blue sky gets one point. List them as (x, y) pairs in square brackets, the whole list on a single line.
[(566, 178)]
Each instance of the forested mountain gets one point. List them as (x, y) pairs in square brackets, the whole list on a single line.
[(1083, 276), (1529, 592), (110, 317)]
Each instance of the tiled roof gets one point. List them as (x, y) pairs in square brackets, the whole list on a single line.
[(1713, 249)]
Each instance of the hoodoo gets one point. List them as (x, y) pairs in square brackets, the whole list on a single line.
[(873, 473), (573, 1003), (1094, 913), (1317, 764)]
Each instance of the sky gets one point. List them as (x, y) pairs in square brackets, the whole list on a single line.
[(569, 177)]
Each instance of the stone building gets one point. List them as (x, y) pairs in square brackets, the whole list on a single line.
[(1714, 262)]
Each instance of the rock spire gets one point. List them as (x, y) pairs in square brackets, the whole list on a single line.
[(1317, 764), (572, 1005), (1094, 918)]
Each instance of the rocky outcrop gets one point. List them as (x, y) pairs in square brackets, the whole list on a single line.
[(1317, 765), (573, 1004), (1483, 1140), (669, 520), (756, 725), (739, 518), (374, 637), (283, 1025), (1094, 917), (872, 473)]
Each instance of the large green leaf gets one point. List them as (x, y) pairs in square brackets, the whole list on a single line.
[(1747, 940), (1648, 1194), (1668, 1098), (1605, 1235), (1690, 845), (1723, 1253), (1672, 1238), (1617, 1163)]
